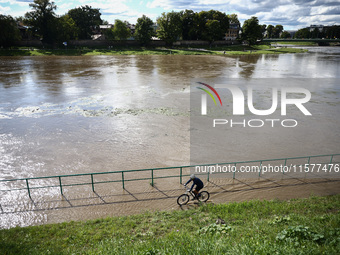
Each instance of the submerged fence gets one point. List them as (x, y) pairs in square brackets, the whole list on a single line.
[(319, 166)]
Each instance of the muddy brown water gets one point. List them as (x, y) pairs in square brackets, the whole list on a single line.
[(71, 115)]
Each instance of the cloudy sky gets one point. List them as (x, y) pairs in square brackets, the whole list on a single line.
[(292, 14)]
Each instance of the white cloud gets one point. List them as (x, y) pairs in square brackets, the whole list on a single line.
[(290, 13), (4, 9), (325, 10), (293, 13), (14, 2)]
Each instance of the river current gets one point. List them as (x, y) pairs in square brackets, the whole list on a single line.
[(69, 115)]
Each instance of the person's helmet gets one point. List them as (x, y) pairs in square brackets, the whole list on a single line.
[(192, 176)]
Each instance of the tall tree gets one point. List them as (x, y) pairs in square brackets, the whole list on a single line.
[(169, 27), (302, 33), (213, 31), (205, 21), (86, 19), (120, 30), (42, 19), (270, 31), (189, 25), (66, 29), (264, 29), (316, 33), (251, 30), (9, 31), (332, 32), (277, 31), (233, 18), (285, 35), (144, 30)]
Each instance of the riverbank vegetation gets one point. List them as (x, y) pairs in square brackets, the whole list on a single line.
[(223, 50), (297, 226), (42, 25)]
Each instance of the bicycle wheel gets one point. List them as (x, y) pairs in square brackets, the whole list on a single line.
[(183, 199), (204, 196)]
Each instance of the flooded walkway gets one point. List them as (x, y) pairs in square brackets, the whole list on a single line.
[(111, 200)]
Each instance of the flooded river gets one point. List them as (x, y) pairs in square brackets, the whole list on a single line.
[(69, 115)]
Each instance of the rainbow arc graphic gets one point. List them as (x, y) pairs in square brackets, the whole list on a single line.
[(204, 98)]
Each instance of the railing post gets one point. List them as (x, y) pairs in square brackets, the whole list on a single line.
[(260, 169), (28, 189), (283, 172), (61, 186), (152, 177), (330, 162), (208, 177), (92, 183), (180, 174), (308, 166), (123, 180), (234, 172)]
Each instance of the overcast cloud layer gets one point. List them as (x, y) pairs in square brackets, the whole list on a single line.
[(292, 14)]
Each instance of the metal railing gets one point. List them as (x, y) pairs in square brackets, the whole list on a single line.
[(59, 180)]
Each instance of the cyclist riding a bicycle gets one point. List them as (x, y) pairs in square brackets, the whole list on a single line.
[(196, 181)]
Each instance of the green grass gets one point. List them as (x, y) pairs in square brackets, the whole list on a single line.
[(298, 226), (297, 43), (257, 49), (230, 50)]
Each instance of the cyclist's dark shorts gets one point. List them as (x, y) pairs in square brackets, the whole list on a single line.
[(198, 188)]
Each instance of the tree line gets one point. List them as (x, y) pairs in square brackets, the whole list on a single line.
[(80, 23), (329, 32)]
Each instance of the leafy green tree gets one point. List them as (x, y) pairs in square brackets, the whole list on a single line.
[(285, 35), (120, 30), (277, 31), (86, 18), (109, 34), (270, 31), (316, 33), (9, 31), (264, 28), (302, 33), (332, 32), (66, 29), (144, 30), (189, 25), (233, 18), (204, 25), (213, 30), (169, 27), (43, 19), (251, 30)]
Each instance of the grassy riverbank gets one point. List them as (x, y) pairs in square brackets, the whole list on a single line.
[(229, 50), (297, 43), (298, 226)]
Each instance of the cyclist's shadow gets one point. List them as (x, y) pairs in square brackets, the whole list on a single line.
[(193, 204)]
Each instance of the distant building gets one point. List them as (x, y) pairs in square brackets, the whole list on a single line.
[(233, 31), (132, 28), (104, 27), (313, 27)]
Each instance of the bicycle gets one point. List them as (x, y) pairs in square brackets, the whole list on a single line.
[(183, 199)]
